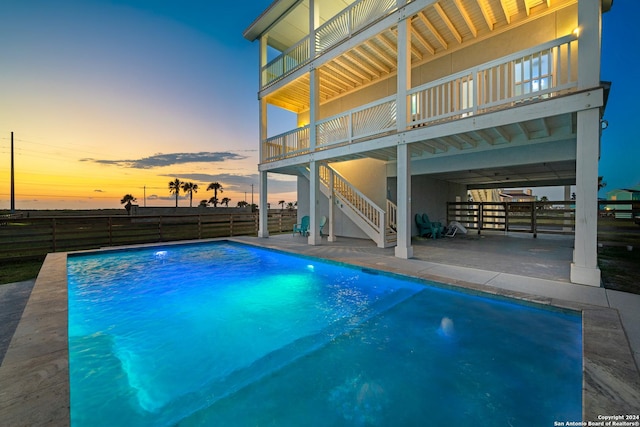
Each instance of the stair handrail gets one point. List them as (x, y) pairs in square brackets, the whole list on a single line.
[(354, 198)]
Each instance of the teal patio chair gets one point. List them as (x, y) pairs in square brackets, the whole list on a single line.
[(323, 222), (436, 229), (427, 228), (303, 227)]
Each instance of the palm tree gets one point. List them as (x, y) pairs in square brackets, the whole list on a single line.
[(225, 201), (127, 198), (281, 203), (215, 186), (203, 203), (214, 201), (190, 187), (174, 187), (290, 206), (242, 204)]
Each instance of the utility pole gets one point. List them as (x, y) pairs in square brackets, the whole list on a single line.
[(13, 188), (251, 196)]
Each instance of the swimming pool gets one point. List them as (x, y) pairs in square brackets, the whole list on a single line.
[(228, 334)]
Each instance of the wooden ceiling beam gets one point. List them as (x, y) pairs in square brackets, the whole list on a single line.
[(454, 31), (465, 15), (484, 8), (432, 29)]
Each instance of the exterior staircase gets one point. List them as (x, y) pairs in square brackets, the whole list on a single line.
[(377, 223)]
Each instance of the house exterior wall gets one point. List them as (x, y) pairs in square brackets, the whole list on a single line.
[(488, 101)]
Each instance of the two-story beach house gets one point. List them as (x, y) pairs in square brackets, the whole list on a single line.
[(405, 105)]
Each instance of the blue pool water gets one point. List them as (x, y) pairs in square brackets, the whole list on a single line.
[(232, 335)]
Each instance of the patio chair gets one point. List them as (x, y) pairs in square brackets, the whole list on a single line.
[(303, 227), (432, 229), (453, 228), (323, 222)]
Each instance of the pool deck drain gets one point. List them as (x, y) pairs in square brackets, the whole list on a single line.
[(34, 375)]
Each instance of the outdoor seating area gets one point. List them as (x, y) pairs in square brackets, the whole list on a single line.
[(427, 228), (303, 227)]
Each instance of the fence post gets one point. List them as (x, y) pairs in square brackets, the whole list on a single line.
[(199, 226), (160, 228), (480, 217), (110, 224), (230, 225), (53, 230), (506, 216), (534, 225)]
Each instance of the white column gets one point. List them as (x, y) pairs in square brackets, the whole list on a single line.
[(589, 39), (404, 75), (262, 61), (314, 22), (263, 228), (584, 269), (314, 193), (403, 246)]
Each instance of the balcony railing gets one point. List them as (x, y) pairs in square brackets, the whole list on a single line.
[(368, 120), (544, 71), (289, 144), (294, 57), (537, 73), (352, 19)]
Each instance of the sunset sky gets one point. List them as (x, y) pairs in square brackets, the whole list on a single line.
[(109, 97)]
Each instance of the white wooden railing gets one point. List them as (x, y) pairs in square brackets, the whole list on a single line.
[(289, 144), (371, 119), (294, 57), (540, 72), (350, 20), (355, 17), (370, 217), (392, 215), (544, 71)]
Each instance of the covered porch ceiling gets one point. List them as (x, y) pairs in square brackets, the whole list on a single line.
[(438, 29)]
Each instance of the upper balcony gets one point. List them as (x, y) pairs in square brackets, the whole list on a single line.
[(543, 72), (437, 26)]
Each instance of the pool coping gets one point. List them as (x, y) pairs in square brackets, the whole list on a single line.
[(34, 375)]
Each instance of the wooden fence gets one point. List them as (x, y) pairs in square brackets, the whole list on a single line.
[(549, 217), (33, 237)]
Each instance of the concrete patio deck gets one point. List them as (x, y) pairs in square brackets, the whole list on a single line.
[(34, 377)]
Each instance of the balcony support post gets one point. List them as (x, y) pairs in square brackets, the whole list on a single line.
[(403, 247), (589, 43), (314, 107), (314, 203), (584, 268), (263, 220), (404, 74), (314, 22)]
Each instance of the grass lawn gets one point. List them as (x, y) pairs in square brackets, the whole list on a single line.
[(19, 271)]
